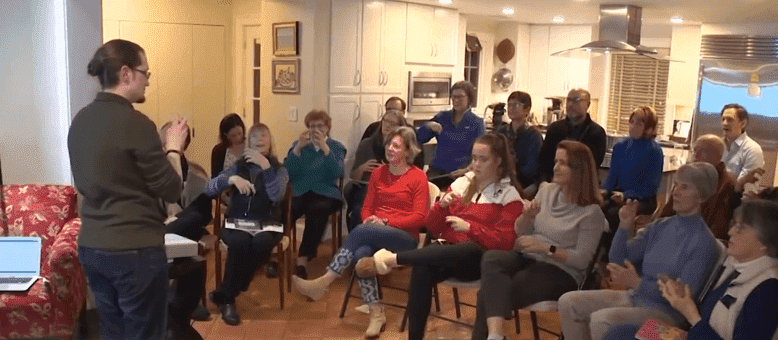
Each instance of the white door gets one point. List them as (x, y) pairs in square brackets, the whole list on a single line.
[(372, 39), (418, 46), (252, 74), (394, 47), (208, 90), (345, 46)]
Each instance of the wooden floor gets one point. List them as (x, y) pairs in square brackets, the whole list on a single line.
[(261, 317)]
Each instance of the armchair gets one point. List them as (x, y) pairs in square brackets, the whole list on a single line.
[(52, 306)]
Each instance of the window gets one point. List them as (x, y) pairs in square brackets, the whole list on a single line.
[(636, 81), (472, 61)]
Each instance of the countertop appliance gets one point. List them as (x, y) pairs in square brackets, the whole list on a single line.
[(744, 70), (428, 93)]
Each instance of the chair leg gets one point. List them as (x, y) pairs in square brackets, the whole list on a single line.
[(534, 318), (348, 295), (456, 302), (288, 265), (517, 319), (405, 321), (436, 295), (217, 263), (281, 262), (294, 237)]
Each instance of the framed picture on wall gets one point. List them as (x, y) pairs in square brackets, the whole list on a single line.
[(286, 76), (285, 42)]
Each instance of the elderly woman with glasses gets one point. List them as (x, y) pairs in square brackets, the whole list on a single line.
[(455, 131), (679, 247), (636, 167), (741, 302)]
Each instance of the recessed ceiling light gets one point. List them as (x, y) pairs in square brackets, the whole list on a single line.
[(559, 18), (445, 1), (676, 20), (507, 11)]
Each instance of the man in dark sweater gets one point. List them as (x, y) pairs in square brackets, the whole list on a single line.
[(576, 126), (121, 174)]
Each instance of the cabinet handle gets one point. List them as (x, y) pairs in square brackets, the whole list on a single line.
[(436, 49), (358, 78), (380, 78), (386, 78), (432, 50)]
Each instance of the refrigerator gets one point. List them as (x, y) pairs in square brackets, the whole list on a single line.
[(743, 70)]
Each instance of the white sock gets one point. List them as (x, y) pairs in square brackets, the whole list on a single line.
[(495, 337)]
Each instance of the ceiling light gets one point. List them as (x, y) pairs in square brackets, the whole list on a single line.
[(559, 18), (676, 20), (507, 11), (445, 1)]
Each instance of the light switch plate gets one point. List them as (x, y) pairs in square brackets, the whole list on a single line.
[(292, 114)]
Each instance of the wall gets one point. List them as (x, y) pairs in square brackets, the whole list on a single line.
[(42, 76), (519, 35)]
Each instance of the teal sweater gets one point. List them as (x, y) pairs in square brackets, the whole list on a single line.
[(313, 171)]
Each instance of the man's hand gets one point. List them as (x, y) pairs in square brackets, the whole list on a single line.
[(434, 126), (530, 244), (458, 224), (256, 157), (244, 187), (176, 135), (625, 275)]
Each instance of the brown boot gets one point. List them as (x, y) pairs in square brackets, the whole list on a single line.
[(377, 321), (366, 267)]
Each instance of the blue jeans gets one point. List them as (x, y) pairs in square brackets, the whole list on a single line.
[(363, 241), (130, 288)]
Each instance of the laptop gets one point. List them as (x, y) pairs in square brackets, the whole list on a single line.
[(20, 263)]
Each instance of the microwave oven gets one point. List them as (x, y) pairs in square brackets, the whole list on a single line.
[(428, 92)]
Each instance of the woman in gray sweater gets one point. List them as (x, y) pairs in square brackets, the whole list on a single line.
[(559, 232)]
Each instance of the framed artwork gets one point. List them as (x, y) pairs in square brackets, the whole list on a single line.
[(285, 42), (286, 76)]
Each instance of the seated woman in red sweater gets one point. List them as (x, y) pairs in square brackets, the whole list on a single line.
[(476, 214), (393, 211)]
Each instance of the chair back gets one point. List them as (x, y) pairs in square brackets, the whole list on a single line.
[(711, 281), (595, 273), (434, 193), (38, 210)]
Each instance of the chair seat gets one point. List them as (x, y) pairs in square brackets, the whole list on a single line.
[(543, 306), (463, 284)]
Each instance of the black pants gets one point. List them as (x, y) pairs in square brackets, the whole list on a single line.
[(355, 195), (431, 265), (192, 221), (511, 280), (317, 209), (245, 255), (189, 277)]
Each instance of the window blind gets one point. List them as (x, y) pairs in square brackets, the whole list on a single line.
[(636, 81)]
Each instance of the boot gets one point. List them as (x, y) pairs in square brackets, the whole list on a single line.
[(377, 321), (313, 289)]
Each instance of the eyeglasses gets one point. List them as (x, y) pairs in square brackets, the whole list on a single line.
[(459, 97), (317, 126), (145, 73), (738, 227), (577, 100), (515, 104)]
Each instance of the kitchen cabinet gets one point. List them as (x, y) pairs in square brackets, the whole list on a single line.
[(565, 74), (368, 39), (432, 35), (351, 114)]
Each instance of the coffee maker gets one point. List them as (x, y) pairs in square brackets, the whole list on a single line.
[(554, 112)]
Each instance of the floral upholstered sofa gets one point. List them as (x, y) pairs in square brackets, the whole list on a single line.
[(51, 307)]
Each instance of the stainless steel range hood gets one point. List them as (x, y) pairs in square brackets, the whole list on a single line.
[(619, 34)]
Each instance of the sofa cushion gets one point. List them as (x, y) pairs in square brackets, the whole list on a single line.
[(38, 210)]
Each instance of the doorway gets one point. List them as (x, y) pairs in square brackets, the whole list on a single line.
[(252, 66)]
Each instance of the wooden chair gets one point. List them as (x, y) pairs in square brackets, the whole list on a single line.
[(336, 225), (281, 249)]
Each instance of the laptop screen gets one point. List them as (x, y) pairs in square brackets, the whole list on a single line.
[(20, 256)]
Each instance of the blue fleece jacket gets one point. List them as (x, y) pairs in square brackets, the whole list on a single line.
[(454, 141), (636, 168)]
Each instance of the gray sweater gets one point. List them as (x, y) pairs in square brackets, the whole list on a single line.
[(121, 173), (566, 225)]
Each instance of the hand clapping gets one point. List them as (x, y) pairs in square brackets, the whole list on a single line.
[(625, 275), (627, 213)]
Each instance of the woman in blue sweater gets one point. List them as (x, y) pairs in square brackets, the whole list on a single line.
[(681, 247), (455, 130), (315, 162), (636, 168), (741, 304), (258, 182)]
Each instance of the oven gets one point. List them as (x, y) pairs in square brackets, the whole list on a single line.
[(428, 93)]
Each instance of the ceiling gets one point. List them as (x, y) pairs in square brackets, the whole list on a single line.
[(587, 11)]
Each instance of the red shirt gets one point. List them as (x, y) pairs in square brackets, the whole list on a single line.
[(402, 200)]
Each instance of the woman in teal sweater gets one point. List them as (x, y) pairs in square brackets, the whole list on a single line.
[(314, 163)]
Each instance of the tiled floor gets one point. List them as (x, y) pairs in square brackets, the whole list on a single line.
[(301, 319)]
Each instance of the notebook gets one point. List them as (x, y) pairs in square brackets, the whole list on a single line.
[(655, 330), (20, 264)]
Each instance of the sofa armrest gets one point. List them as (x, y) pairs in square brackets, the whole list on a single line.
[(66, 279)]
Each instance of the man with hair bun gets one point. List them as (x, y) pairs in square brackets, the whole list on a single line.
[(121, 173)]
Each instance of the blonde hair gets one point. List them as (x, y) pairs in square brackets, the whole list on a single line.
[(259, 127), (408, 136)]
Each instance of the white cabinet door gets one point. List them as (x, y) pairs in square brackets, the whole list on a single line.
[(394, 47), (444, 31), (345, 50), (565, 74), (372, 41), (418, 46), (344, 111)]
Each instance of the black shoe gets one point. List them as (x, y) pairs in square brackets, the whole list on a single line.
[(271, 270), (230, 314), (201, 314), (301, 272), (216, 297)]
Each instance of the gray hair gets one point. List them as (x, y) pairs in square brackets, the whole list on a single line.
[(712, 141), (703, 175), (409, 142), (761, 215)]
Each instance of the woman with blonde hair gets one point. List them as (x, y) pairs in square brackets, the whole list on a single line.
[(393, 211), (559, 233)]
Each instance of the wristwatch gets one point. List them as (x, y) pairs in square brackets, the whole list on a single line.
[(551, 250)]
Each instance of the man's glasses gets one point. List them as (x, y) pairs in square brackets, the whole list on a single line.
[(515, 105), (577, 100), (145, 73), (459, 97)]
